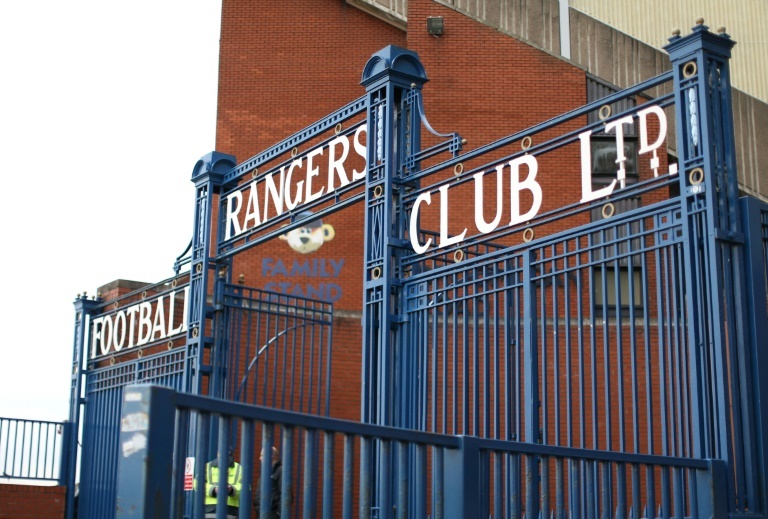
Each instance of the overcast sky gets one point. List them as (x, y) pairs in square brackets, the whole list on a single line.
[(105, 107)]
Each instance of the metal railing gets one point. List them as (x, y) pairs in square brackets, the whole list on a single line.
[(400, 473), (32, 449)]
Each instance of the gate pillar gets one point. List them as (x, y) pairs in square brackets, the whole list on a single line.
[(84, 308), (393, 78), (208, 176), (713, 254)]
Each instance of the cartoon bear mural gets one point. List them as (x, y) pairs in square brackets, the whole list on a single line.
[(309, 237)]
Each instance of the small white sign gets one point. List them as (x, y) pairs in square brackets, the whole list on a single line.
[(189, 474)]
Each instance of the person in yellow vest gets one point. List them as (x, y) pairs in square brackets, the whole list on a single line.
[(234, 482)]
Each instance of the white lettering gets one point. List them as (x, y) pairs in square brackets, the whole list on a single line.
[(587, 195), (145, 323), (118, 334), (234, 200), (620, 157), (360, 149), (252, 213), (271, 190), (413, 231), (529, 183), (444, 239), (335, 165), (313, 171), (642, 115), (480, 222), (158, 325), (291, 204)]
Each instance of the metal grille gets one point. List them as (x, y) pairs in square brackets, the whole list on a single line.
[(101, 424)]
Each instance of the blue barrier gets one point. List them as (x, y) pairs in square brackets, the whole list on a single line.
[(439, 476)]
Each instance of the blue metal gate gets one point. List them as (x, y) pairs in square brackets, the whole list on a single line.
[(595, 358), (275, 351)]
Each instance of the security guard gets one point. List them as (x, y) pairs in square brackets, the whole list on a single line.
[(234, 482)]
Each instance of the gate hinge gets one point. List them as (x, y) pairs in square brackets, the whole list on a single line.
[(729, 236), (398, 318)]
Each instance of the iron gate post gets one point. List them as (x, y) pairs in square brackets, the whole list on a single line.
[(713, 248), (756, 242), (387, 77), (208, 176), (84, 308)]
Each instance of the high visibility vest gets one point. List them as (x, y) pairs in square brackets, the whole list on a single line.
[(234, 479)]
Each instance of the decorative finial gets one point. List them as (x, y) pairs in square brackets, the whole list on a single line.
[(721, 29), (699, 21), (241, 279), (463, 141), (676, 32), (78, 296)]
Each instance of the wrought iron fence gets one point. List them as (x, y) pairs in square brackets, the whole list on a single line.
[(434, 475), (32, 449)]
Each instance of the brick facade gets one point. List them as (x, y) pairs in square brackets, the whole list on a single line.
[(31, 502)]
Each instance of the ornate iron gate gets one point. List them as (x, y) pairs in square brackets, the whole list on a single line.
[(597, 358), (274, 351)]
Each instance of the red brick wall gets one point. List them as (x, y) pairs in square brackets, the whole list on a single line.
[(31, 502)]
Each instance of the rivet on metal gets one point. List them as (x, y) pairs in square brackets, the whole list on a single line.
[(378, 191), (605, 112), (458, 256), (458, 169), (608, 210), (689, 69), (376, 273), (527, 141), (337, 128), (294, 152), (696, 176), (528, 234)]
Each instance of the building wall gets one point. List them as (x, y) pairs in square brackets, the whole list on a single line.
[(652, 21), (625, 58), (31, 502)]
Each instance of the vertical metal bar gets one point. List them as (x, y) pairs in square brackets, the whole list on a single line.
[(310, 477), (349, 455), (365, 478), (385, 481), (180, 440), (265, 492), (402, 480), (203, 433), (223, 461), (247, 441), (438, 478), (328, 476), (286, 484), (531, 384)]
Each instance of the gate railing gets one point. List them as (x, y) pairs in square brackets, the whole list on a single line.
[(455, 476), (33, 449)]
